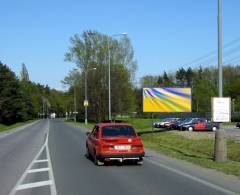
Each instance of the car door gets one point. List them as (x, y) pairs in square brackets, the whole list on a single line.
[(202, 124), (90, 140), (94, 139)]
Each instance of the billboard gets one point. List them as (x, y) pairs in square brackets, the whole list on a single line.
[(167, 99)]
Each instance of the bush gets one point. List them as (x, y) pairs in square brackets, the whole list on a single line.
[(235, 118)]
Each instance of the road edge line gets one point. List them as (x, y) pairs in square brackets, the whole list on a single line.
[(53, 188), (211, 185)]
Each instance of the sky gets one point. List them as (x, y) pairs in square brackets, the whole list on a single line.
[(165, 34)]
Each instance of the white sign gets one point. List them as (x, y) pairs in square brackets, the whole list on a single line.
[(221, 109)]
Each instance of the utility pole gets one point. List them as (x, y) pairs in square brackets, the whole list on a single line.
[(220, 147), (220, 76), (75, 106), (86, 97), (109, 82), (42, 108)]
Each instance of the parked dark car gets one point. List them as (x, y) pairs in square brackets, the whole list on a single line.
[(160, 124), (179, 125), (238, 124), (176, 124), (171, 124), (200, 124)]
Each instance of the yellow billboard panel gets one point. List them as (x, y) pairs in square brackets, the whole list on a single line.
[(167, 99)]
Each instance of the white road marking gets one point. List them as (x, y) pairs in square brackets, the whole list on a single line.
[(38, 170), (39, 161), (20, 181), (211, 185), (51, 182), (53, 188), (34, 185)]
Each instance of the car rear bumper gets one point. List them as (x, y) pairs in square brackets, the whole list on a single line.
[(121, 156)]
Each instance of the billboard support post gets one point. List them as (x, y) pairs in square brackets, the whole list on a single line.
[(152, 121)]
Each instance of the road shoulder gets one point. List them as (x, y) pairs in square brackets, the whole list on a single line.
[(212, 176)]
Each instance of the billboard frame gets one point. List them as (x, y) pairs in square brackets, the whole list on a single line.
[(168, 87)]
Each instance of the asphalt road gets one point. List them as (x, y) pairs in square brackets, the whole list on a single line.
[(17, 149), (75, 174)]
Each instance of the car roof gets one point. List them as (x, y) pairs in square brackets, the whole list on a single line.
[(112, 124)]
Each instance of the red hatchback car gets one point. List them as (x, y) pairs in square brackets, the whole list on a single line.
[(114, 141)]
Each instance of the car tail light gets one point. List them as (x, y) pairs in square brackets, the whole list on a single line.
[(137, 147), (108, 147)]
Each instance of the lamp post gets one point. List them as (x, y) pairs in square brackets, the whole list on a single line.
[(75, 105), (109, 74), (86, 96)]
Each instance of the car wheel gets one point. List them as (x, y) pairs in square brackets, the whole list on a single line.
[(87, 152), (190, 128), (140, 161), (97, 161), (214, 128)]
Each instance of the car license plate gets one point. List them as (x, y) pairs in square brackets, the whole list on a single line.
[(122, 147)]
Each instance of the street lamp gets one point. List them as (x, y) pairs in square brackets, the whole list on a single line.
[(86, 96), (109, 75)]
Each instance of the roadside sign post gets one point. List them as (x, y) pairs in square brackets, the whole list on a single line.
[(85, 103), (221, 112)]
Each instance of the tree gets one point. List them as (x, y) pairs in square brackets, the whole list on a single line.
[(166, 80), (180, 77), (150, 81), (189, 77), (24, 73), (90, 51), (15, 105)]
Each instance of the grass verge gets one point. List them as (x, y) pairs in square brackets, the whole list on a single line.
[(199, 152), (139, 123), (82, 125), (9, 127)]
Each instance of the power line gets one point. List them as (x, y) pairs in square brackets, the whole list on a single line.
[(226, 54), (199, 59), (232, 59)]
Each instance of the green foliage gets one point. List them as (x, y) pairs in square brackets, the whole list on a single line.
[(24, 100), (24, 73), (90, 50), (14, 103), (235, 118)]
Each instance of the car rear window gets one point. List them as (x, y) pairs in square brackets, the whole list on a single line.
[(115, 131)]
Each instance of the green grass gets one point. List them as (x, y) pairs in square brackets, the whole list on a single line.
[(82, 125), (199, 152), (9, 127), (139, 123)]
